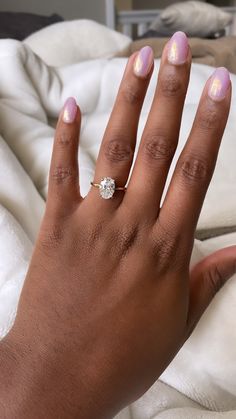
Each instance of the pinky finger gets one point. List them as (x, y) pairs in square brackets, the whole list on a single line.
[(63, 190)]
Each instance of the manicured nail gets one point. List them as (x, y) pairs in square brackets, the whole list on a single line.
[(220, 81), (178, 48), (69, 111), (143, 62)]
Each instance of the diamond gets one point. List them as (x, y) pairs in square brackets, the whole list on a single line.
[(107, 188)]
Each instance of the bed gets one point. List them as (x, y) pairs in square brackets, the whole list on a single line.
[(36, 76)]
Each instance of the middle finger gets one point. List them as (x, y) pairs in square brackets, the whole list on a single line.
[(161, 133)]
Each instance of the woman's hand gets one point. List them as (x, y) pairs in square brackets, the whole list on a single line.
[(109, 300)]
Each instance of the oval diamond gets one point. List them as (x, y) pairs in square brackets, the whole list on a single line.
[(107, 187)]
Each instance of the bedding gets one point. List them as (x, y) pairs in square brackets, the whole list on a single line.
[(52, 45), (201, 380)]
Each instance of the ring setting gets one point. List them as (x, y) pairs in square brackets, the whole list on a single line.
[(107, 187)]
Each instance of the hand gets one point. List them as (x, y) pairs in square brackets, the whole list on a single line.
[(109, 299)]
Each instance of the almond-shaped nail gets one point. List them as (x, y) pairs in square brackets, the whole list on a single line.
[(143, 62), (219, 84), (178, 48), (69, 111)]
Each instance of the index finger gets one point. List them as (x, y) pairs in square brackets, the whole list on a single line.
[(196, 164)]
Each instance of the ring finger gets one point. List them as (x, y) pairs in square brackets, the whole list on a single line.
[(117, 148)]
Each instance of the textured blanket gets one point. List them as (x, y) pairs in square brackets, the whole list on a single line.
[(201, 381)]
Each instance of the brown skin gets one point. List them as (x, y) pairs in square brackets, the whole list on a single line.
[(109, 298)]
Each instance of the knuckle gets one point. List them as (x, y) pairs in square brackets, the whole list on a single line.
[(126, 237), (207, 118), (164, 246), (158, 146), (118, 150), (92, 234), (62, 174), (213, 279), (64, 138), (195, 169), (170, 85), (131, 94), (51, 237)]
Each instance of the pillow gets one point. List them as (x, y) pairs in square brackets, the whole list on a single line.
[(20, 25), (194, 18), (68, 42)]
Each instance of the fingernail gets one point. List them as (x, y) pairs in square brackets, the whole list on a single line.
[(143, 61), (178, 48), (69, 111), (220, 81)]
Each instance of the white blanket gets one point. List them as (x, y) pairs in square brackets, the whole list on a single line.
[(202, 378)]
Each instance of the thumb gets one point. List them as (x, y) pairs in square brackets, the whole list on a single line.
[(206, 279)]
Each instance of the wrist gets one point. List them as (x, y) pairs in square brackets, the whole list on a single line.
[(32, 382), (10, 379)]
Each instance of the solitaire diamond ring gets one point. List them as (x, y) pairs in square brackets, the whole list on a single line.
[(107, 187)]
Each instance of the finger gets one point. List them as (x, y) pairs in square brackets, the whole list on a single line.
[(117, 148), (63, 190), (195, 166), (206, 279), (161, 133)]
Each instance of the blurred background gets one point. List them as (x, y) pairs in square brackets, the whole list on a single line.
[(89, 9)]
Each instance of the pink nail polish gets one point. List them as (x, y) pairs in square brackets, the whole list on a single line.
[(143, 61), (178, 48), (69, 111), (220, 81)]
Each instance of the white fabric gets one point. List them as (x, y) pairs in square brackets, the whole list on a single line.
[(203, 375), (15, 248), (69, 42), (18, 192)]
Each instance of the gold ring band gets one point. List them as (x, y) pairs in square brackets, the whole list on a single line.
[(118, 188)]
